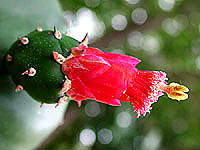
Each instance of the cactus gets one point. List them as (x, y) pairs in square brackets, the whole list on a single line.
[(32, 67)]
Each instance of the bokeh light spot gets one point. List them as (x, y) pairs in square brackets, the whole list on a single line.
[(152, 140), (87, 137), (166, 5), (119, 22), (85, 21), (92, 109), (171, 26), (105, 136), (139, 16), (179, 126), (135, 39), (150, 44), (124, 119)]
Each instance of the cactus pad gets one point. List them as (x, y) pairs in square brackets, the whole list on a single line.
[(32, 67)]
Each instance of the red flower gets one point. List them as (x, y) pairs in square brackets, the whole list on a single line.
[(110, 78)]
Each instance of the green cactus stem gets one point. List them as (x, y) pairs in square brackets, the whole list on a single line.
[(31, 64)]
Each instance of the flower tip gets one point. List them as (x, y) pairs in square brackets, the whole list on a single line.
[(177, 91)]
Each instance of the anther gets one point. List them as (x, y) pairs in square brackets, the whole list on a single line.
[(24, 40), (175, 91), (30, 72), (57, 33)]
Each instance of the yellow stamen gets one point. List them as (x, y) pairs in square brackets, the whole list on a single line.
[(178, 87), (176, 91)]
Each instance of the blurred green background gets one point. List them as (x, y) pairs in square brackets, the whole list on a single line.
[(165, 35)]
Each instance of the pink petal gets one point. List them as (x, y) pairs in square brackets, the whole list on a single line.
[(79, 91), (111, 84), (92, 50), (95, 65), (108, 100), (87, 65), (124, 59)]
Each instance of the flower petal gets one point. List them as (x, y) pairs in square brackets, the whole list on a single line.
[(124, 59), (79, 91), (144, 90), (100, 85), (108, 100), (87, 65)]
